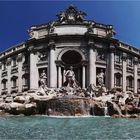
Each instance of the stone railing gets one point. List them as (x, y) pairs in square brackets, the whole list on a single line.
[(25, 87), (14, 70), (130, 69), (118, 66), (4, 91), (42, 63), (14, 89), (138, 71), (130, 88), (102, 62), (4, 74), (118, 87)]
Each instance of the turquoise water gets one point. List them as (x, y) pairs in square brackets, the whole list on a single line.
[(49, 128)]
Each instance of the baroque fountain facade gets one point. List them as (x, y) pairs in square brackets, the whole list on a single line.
[(70, 66)]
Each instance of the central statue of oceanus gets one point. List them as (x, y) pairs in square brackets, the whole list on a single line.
[(70, 79)]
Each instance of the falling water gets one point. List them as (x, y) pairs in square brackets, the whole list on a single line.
[(105, 111), (83, 110), (91, 111)]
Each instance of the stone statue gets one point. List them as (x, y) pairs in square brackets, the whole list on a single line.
[(100, 78), (51, 27), (80, 16), (61, 17), (90, 27), (43, 79), (71, 15), (70, 78)]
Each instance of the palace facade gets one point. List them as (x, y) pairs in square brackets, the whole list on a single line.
[(88, 46)]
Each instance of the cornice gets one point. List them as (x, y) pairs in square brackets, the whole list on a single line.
[(128, 51), (12, 53)]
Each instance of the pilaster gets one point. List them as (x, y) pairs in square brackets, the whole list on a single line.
[(9, 74), (124, 57), (34, 76), (52, 65), (19, 60)]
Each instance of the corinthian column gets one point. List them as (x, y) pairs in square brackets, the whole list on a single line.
[(59, 77), (112, 69), (9, 75), (83, 76), (135, 75), (64, 78), (52, 66), (92, 66)]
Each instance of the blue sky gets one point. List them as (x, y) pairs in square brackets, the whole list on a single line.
[(16, 17)]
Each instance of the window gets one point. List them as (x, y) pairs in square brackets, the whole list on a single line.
[(130, 61), (14, 62), (4, 85), (118, 78), (26, 81), (4, 81), (4, 66), (118, 57), (14, 82), (26, 59), (130, 82), (138, 83)]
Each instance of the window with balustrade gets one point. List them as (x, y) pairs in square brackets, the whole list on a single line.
[(118, 79), (4, 84), (118, 57), (130, 61), (14, 81), (130, 81)]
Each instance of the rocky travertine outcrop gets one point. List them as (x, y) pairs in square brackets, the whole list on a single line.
[(71, 102)]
